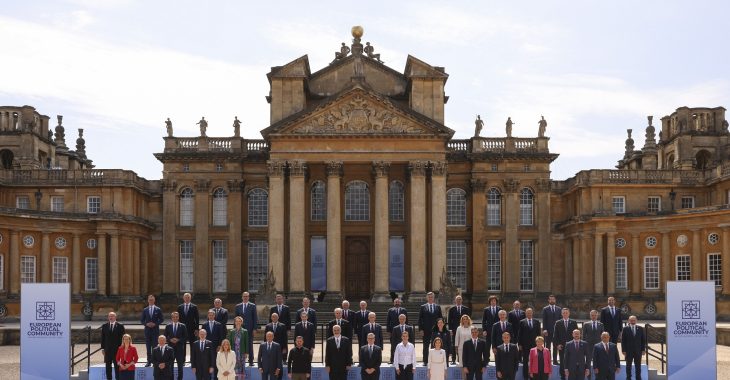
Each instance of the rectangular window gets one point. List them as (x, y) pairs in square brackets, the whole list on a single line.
[(621, 274), (654, 204), (526, 265), (27, 269), (93, 204), (2, 272), (494, 208), (92, 273), (618, 205), (186, 265), (22, 202), (186, 211), (220, 263), (60, 269), (688, 202), (258, 263), (651, 272), (494, 265), (220, 210), (684, 270), (714, 268), (57, 203), (456, 262)]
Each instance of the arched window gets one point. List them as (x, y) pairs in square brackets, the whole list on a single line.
[(6, 157), (703, 159), (526, 206), (319, 201), (396, 202), (357, 201), (220, 207), (186, 207), (456, 207), (670, 161), (258, 208), (494, 207)]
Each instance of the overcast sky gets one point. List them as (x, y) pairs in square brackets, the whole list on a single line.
[(119, 68)]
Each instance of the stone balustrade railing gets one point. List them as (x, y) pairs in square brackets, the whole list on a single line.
[(499, 145), (610, 176), (213, 144), (88, 177)]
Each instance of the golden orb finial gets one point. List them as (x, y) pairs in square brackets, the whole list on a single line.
[(357, 31)]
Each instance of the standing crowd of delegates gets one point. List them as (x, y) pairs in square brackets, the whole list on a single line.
[(510, 338)]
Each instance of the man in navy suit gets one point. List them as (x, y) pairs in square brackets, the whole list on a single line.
[(202, 357), (339, 320), (347, 313), (151, 319), (393, 314), (216, 332), (606, 362), (310, 312), (373, 328), (476, 357), (281, 335), (562, 333), (282, 310), (163, 359), (338, 355), (397, 334), (528, 332), (189, 316), (455, 314), (489, 317), (577, 358), (498, 328), (550, 315), (247, 311), (270, 359), (507, 358), (612, 319), (221, 313), (371, 357), (177, 334), (514, 317), (361, 318), (633, 346), (307, 331), (429, 313)]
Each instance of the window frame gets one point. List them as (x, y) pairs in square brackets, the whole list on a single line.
[(257, 217), (318, 201), (622, 198), (527, 266), (59, 270), (649, 206), (396, 201), (683, 270), (219, 207), (90, 274), (357, 201), (654, 275), (456, 213), (24, 199), (494, 207), (690, 198), (621, 271), (54, 204), (527, 207), (494, 260), (716, 274), (187, 207), (258, 266), (24, 273), (219, 267), (456, 259), (93, 204), (186, 283)]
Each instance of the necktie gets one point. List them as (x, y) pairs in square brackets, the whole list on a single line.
[(493, 310), (217, 311), (430, 308), (186, 308), (612, 311), (459, 309), (174, 329), (112, 327), (605, 347), (370, 350), (529, 322), (211, 326), (566, 324), (268, 346), (633, 329), (594, 325), (552, 308), (503, 328), (475, 344), (402, 329), (576, 346), (243, 308), (338, 342), (506, 346), (150, 311), (202, 346), (372, 327), (279, 308)]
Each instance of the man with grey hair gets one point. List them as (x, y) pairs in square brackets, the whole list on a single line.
[(374, 328), (111, 339), (592, 331), (429, 313), (345, 327)]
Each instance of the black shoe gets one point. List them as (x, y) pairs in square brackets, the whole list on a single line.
[(148, 365)]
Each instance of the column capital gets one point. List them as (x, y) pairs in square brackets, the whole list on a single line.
[(334, 168), (478, 185), (168, 185), (438, 168), (381, 168), (543, 184), (417, 168), (297, 168), (202, 184), (275, 168), (511, 185), (236, 185)]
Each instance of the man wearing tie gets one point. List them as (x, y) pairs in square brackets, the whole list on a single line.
[(550, 315), (247, 311), (490, 316), (270, 359), (177, 334), (428, 315), (307, 331), (561, 334), (283, 312), (393, 314), (633, 346), (361, 319), (397, 334), (371, 357), (529, 330), (507, 359), (455, 313), (577, 358), (338, 355), (281, 335), (514, 317), (189, 316), (163, 359), (612, 319), (310, 312), (202, 357), (476, 357), (221, 313), (606, 362), (498, 328), (111, 339), (216, 332), (592, 331), (151, 319), (347, 313), (345, 326), (373, 328)]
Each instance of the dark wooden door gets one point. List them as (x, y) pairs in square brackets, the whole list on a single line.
[(357, 268)]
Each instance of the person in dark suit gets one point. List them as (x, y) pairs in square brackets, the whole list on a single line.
[(397, 333), (270, 359), (111, 339), (592, 331), (202, 357), (371, 357), (163, 359), (307, 331), (612, 319), (177, 335), (514, 317), (338, 355), (299, 362), (221, 313), (489, 317), (507, 358), (562, 333), (151, 319), (189, 316), (606, 362), (310, 312), (247, 311), (345, 326), (283, 312), (476, 357), (529, 330), (393, 314), (373, 327), (347, 313), (499, 328), (442, 331), (216, 332), (361, 318), (550, 315), (633, 346), (577, 358), (429, 313), (455, 313), (281, 334)]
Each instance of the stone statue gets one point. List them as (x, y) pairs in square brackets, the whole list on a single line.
[(168, 125), (236, 127), (344, 51), (268, 288), (447, 290), (509, 126), (724, 125), (203, 126), (369, 49), (543, 126), (479, 124), (50, 135)]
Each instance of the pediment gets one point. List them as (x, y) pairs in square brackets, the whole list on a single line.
[(378, 76)]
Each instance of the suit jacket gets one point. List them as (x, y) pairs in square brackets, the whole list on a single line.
[(280, 335), (496, 334), (345, 328), (549, 317), (359, 321), (395, 335), (191, 319), (427, 319), (221, 316), (284, 315), (311, 315), (560, 334), (534, 365), (368, 360), (378, 331), (633, 343), (111, 339), (165, 355), (455, 316), (393, 314), (489, 319), (606, 361), (202, 360), (526, 335), (577, 359), (612, 323), (309, 334), (226, 363), (514, 317), (349, 315), (507, 361), (338, 358), (591, 335), (475, 359), (216, 334), (155, 318), (270, 359), (250, 320), (181, 333)]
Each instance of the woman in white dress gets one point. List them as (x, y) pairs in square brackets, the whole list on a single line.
[(437, 361), (463, 333), (226, 361)]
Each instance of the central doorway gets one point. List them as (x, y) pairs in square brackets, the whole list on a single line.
[(357, 268)]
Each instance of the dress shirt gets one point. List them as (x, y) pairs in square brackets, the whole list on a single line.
[(404, 355)]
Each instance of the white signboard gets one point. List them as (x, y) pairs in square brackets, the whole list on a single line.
[(45, 331), (691, 337)]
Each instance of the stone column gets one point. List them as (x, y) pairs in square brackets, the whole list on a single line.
[(144, 267), (586, 259), (696, 256), (478, 264), (297, 221), (114, 264), (76, 266), (201, 254), (543, 269), (382, 238), (235, 224), (577, 262), (569, 273), (725, 260), (598, 269), (438, 222), (665, 261), (611, 263), (276, 221), (170, 245), (635, 265), (101, 263), (418, 223), (14, 264), (135, 267), (45, 258), (334, 226), (511, 254)]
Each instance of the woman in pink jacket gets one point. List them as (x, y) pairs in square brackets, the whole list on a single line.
[(540, 366)]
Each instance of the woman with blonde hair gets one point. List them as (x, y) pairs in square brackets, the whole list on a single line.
[(463, 333), (126, 358), (225, 361), (540, 366)]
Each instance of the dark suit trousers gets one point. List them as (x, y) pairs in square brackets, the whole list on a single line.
[(150, 340), (605, 375), (109, 360), (426, 346), (374, 376), (406, 373), (338, 374), (636, 359), (203, 375), (552, 346), (577, 375), (474, 374), (540, 376), (561, 354), (508, 377), (525, 362), (179, 351)]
